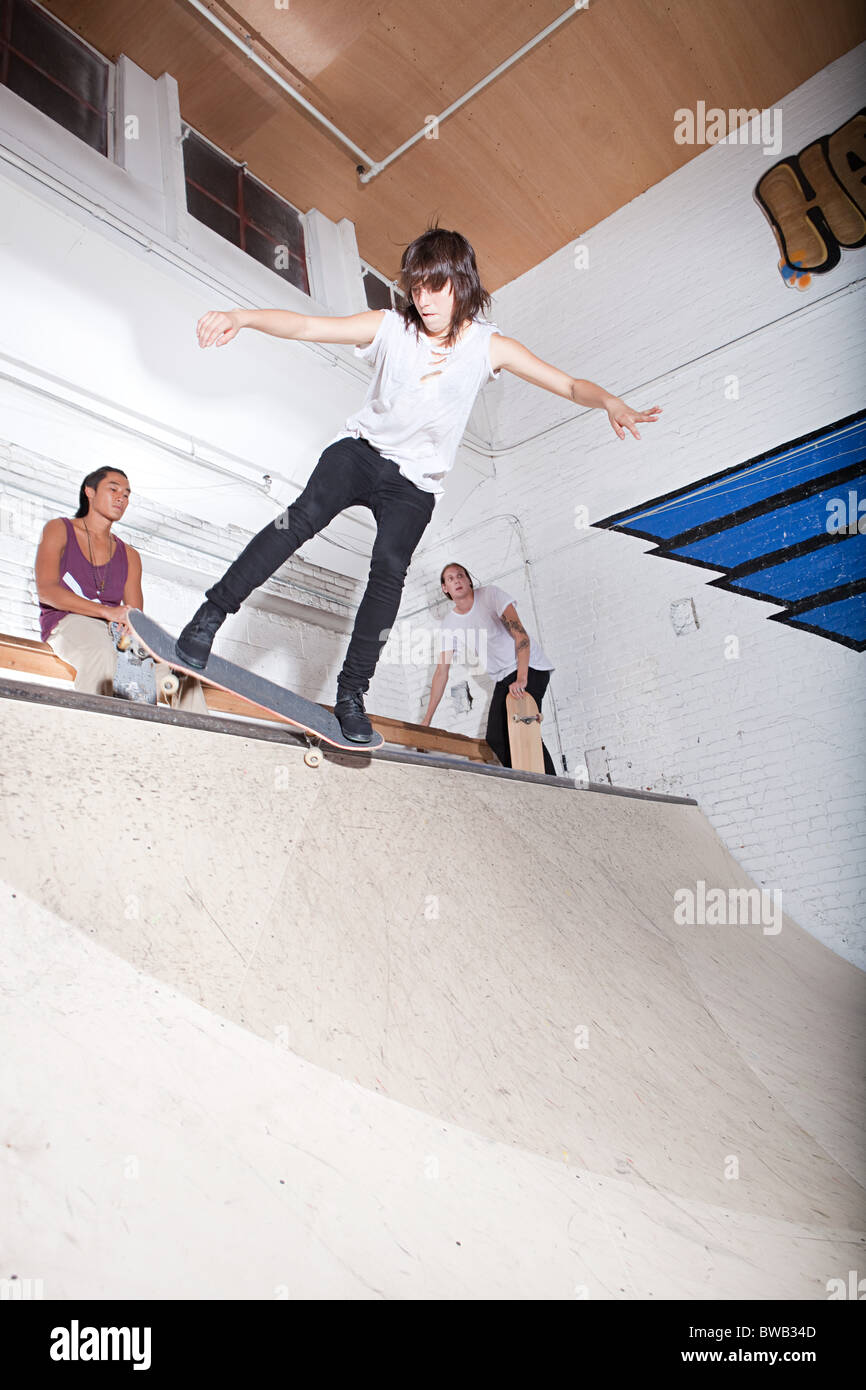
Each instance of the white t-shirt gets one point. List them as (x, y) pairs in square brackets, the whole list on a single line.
[(419, 424), (480, 639)]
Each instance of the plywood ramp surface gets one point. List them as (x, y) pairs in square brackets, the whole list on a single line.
[(439, 1003)]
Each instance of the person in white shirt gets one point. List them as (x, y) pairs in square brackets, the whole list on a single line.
[(484, 629), (429, 361)]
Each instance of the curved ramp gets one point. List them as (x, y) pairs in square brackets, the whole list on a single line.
[(376, 1030)]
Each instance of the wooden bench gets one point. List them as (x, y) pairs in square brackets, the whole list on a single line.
[(35, 658)]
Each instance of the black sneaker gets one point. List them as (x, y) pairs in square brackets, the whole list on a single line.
[(349, 710), (194, 643)]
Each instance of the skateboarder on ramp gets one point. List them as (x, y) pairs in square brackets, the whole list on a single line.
[(429, 362)]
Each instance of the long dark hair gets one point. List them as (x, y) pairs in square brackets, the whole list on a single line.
[(93, 480), (455, 564), (434, 258)]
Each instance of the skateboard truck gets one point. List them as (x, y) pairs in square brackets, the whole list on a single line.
[(135, 674)]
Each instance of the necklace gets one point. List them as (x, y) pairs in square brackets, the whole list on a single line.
[(98, 578)]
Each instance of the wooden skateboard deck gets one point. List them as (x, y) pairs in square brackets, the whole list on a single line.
[(524, 733), (311, 719)]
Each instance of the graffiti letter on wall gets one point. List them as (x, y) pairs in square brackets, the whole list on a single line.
[(816, 201)]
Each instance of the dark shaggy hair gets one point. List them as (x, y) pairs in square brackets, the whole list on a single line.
[(434, 258), (93, 480)]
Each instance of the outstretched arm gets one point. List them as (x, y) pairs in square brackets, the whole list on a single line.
[(514, 357), (219, 327)]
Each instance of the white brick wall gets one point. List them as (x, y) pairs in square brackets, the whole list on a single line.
[(101, 367), (296, 650), (683, 291)]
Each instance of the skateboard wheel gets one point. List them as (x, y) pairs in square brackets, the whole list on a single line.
[(169, 685), (124, 642), (313, 757)]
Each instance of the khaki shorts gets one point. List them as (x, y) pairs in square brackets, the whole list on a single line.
[(86, 644)]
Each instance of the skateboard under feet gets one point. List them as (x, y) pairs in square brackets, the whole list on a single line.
[(317, 724)]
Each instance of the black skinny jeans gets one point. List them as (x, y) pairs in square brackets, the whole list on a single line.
[(497, 718), (349, 473)]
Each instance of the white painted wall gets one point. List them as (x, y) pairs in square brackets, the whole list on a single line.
[(682, 290), (104, 276)]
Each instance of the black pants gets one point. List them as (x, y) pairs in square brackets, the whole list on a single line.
[(349, 473), (497, 719)]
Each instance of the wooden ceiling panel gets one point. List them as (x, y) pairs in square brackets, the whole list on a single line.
[(312, 33), (577, 128), (410, 63)]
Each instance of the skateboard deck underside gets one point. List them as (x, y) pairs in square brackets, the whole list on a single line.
[(527, 754), (304, 715), (135, 670)]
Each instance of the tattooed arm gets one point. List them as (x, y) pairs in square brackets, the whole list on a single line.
[(521, 649)]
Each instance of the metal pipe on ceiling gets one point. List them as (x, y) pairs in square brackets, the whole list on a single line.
[(424, 132), (247, 48), (376, 166)]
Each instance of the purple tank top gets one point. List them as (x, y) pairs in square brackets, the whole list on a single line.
[(76, 574)]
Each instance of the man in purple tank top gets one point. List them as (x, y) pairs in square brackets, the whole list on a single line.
[(86, 578)]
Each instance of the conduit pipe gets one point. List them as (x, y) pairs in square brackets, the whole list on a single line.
[(376, 166)]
